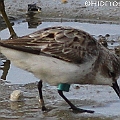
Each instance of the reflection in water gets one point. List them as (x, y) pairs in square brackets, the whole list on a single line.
[(33, 20), (16, 105), (3, 24), (4, 67)]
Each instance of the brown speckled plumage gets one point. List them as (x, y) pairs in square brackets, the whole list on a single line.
[(61, 42)]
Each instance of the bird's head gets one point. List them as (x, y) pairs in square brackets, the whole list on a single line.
[(110, 69)]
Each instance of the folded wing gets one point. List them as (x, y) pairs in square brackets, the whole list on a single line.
[(64, 43)]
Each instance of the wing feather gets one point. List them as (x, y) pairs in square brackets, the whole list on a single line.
[(65, 43)]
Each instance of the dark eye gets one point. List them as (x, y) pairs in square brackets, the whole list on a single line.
[(111, 74)]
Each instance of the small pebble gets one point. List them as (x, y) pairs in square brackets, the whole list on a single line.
[(16, 95)]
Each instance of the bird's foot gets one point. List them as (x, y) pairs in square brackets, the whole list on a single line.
[(44, 109), (79, 110)]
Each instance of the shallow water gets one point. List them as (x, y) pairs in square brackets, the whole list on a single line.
[(102, 99)]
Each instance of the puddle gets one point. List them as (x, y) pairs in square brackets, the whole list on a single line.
[(102, 99), (94, 29)]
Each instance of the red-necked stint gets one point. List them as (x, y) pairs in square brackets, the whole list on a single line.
[(62, 56)]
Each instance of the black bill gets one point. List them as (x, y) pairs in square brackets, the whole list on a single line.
[(116, 88)]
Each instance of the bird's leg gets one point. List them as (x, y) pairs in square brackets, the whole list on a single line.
[(41, 96), (74, 108), (11, 30)]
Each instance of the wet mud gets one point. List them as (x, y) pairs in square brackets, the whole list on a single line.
[(77, 10), (101, 99)]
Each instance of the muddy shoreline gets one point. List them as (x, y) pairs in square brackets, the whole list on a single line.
[(75, 10)]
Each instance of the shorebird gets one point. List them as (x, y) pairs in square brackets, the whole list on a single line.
[(33, 8), (62, 56)]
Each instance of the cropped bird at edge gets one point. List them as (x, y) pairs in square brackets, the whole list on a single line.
[(62, 56)]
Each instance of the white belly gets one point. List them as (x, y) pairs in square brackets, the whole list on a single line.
[(49, 69)]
